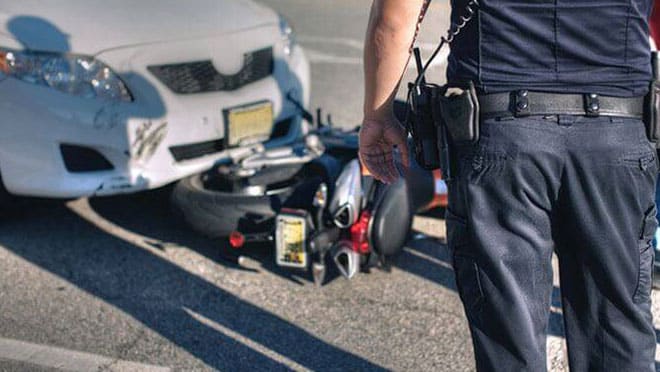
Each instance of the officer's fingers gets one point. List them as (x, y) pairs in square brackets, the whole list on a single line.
[(393, 173), (398, 136), (371, 167), (374, 163), (381, 174), (405, 153), (386, 169), (389, 172)]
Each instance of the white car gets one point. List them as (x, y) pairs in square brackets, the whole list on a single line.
[(105, 97)]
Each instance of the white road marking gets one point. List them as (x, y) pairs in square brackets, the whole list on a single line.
[(431, 259), (556, 309), (317, 56), (354, 43), (351, 43), (247, 342), (67, 360), (556, 351)]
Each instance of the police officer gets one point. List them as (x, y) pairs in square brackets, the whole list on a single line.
[(563, 164)]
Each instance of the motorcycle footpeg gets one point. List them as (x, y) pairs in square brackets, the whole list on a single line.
[(318, 273)]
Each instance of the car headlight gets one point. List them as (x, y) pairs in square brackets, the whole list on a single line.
[(288, 35), (77, 75)]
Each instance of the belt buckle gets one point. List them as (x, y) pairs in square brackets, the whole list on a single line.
[(591, 105)]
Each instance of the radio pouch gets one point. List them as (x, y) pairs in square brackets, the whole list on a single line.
[(421, 125), (459, 108), (432, 116), (651, 115)]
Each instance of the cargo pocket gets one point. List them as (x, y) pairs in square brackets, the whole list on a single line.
[(456, 230), (646, 257), (466, 270), (645, 162), (468, 283)]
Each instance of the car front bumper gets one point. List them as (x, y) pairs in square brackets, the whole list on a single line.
[(136, 138)]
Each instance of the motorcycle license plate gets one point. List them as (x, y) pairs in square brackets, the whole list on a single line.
[(252, 122), (291, 240)]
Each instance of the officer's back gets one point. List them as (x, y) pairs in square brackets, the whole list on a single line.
[(576, 46), (562, 164)]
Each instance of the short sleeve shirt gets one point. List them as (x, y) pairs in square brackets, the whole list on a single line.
[(576, 46)]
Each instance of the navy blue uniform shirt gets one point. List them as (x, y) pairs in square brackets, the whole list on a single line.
[(573, 46)]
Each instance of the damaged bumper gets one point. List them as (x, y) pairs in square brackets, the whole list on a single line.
[(60, 146)]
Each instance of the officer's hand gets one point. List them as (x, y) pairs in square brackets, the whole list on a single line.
[(377, 139)]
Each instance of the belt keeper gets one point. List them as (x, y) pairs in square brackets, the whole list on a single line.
[(591, 105), (520, 103)]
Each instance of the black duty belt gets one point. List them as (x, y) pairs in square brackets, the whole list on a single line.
[(523, 103)]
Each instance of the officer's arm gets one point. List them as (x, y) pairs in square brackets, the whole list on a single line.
[(390, 33)]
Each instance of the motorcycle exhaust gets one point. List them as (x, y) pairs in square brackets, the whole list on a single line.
[(345, 204), (346, 259)]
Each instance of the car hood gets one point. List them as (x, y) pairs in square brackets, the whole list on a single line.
[(92, 26)]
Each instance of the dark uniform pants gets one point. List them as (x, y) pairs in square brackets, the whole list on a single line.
[(582, 187)]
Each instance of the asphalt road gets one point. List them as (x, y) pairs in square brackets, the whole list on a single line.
[(118, 284)]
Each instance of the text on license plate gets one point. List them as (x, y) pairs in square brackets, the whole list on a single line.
[(290, 244), (252, 122)]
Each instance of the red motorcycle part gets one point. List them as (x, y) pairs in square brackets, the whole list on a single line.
[(654, 23), (360, 233), (236, 240)]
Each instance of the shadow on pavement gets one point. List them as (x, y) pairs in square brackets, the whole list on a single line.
[(429, 258), (151, 215), (181, 306)]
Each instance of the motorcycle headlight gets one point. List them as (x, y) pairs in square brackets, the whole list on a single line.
[(77, 75), (288, 35)]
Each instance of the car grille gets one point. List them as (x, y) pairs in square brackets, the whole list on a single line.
[(201, 76)]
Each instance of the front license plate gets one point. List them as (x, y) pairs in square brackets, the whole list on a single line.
[(249, 123), (290, 241)]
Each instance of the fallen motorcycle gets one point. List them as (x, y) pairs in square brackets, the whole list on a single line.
[(362, 224), (312, 200)]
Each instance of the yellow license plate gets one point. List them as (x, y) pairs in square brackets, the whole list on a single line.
[(290, 244), (250, 123)]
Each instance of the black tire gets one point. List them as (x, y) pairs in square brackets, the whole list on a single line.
[(216, 213), (392, 219)]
